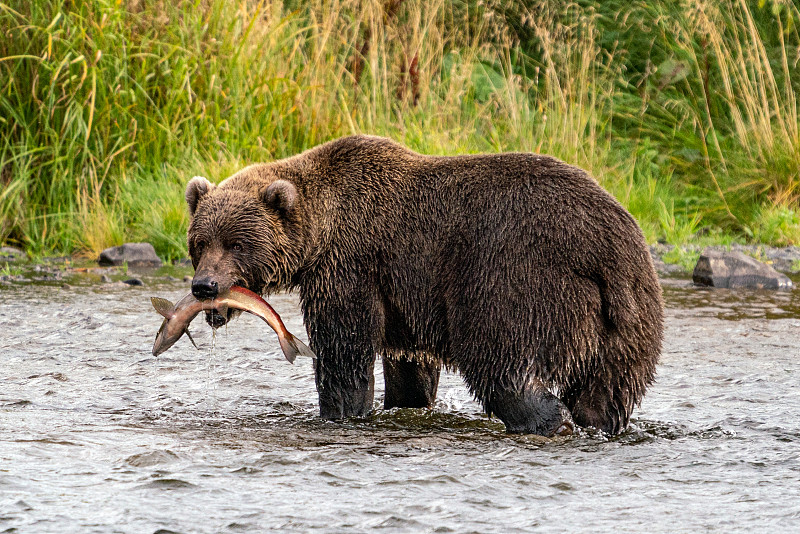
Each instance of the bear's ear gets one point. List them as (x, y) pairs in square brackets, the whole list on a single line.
[(280, 196), (195, 190)]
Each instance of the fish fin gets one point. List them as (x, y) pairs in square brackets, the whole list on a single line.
[(186, 331), (293, 347), (163, 306)]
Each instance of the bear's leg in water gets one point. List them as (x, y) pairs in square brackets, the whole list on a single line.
[(605, 400), (533, 410), (344, 394), (340, 329), (410, 384)]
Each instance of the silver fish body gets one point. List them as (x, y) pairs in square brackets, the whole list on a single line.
[(178, 316)]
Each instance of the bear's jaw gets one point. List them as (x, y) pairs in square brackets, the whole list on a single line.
[(217, 320)]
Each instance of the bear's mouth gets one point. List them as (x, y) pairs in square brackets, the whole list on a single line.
[(216, 319)]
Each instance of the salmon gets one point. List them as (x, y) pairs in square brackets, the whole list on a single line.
[(178, 316)]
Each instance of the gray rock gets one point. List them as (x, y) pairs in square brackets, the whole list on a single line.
[(56, 259), (12, 253), (8, 278), (135, 254), (736, 270), (105, 278), (48, 277), (784, 259), (133, 282), (666, 269)]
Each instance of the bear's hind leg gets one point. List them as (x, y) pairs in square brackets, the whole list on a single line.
[(592, 408), (410, 384), (534, 410), (603, 401)]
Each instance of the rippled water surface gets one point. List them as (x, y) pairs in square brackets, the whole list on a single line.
[(98, 436)]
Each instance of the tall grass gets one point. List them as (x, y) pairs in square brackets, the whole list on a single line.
[(720, 99), (686, 112), (760, 100)]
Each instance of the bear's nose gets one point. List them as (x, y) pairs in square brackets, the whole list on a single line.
[(204, 288)]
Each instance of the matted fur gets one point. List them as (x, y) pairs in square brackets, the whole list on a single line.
[(507, 267)]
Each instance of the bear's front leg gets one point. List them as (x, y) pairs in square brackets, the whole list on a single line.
[(345, 392), (534, 410), (340, 330)]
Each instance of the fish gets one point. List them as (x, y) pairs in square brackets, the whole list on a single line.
[(178, 316)]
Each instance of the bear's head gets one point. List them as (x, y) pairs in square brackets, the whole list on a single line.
[(248, 238)]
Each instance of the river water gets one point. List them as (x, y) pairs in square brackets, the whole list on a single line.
[(96, 435)]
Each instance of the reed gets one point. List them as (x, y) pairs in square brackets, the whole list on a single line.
[(688, 116)]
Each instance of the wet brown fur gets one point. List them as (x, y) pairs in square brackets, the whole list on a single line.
[(516, 269)]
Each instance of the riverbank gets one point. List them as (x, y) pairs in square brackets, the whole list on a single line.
[(680, 260), (17, 268)]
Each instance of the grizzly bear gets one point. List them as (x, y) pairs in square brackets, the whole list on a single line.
[(515, 269)]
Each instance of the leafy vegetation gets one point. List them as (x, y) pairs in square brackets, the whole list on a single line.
[(686, 111)]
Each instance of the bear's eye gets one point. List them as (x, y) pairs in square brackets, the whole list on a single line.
[(237, 247), (199, 246)]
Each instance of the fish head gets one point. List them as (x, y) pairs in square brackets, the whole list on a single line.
[(243, 233), (176, 321), (166, 309), (163, 342)]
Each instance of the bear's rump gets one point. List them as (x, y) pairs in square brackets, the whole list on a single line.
[(543, 322)]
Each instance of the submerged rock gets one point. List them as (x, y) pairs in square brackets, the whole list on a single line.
[(736, 270), (134, 254)]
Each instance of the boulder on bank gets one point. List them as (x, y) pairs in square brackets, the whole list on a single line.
[(134, 254), (735, 270), (11, 254)]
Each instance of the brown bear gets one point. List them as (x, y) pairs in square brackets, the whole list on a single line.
[(517, 270)]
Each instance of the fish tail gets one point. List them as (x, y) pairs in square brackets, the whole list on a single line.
[(293, 347)]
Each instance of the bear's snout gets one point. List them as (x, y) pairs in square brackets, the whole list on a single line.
[(204, 288)]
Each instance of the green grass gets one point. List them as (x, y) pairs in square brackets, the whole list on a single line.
[(686, 259), (686, 112), (10, 269)]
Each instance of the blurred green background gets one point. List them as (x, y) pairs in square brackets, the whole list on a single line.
[(686, 111)]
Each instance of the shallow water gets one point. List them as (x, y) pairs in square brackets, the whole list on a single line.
[(98, 436)]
